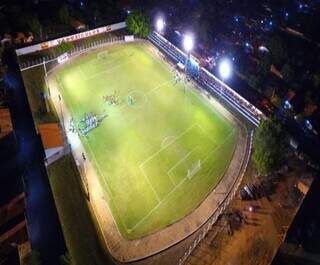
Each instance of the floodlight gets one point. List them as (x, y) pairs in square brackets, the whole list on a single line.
[(73, 139), (160, 24), (225, 69), (188, 42)]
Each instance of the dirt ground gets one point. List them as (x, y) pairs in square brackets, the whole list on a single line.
[(256, 238)]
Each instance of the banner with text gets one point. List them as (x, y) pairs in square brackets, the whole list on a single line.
[(74, 37)]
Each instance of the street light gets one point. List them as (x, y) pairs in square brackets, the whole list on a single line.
[(160, 24), (225, 69), (188, 42)]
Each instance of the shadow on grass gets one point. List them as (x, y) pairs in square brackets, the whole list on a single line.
[(80, 230)]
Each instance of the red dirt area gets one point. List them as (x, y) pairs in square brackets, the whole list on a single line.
[(250, 232)]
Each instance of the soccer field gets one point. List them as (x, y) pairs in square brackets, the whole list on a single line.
[(160, 150)]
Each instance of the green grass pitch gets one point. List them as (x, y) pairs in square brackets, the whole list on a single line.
[(158, 157)]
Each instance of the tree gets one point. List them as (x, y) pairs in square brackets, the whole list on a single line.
[(287, 72), (269, 147), (33, 259), (316, 80), (63, 47), (63, 15), (34, 25), (65, 259), (138, 23), (204, 31), (278, 50), (265, 65), (255, 82)]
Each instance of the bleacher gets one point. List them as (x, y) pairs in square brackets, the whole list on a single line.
[(211, 83)]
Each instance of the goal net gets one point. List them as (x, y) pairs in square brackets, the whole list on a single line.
[(194, 169), (63, 58), (102, 55)]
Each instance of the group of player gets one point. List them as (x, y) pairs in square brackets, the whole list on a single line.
[(88, 123), (177, 77), (112, 99)]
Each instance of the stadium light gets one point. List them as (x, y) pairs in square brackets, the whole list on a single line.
[(188, 42), (225, 69), (160, 24)]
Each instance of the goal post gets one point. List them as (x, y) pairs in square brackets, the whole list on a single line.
[(194, 169), (63, 58), (129, 38), (102, 55)]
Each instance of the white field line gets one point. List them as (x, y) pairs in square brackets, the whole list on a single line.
[(145, 94), (126, 105), (97, 61), (159, 204), (108, 188), (177, 186), (224, 141), (206, 134), (176, 138), (101, 53), (178, 163), (100, 171), (158, 86), (146, 177), (208, 153), (107, 71), (150, 184), (82, 73)]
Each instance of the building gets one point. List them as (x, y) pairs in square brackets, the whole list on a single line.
[(52, 141)]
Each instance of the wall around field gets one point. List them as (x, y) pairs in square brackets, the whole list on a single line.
[(78, 36)]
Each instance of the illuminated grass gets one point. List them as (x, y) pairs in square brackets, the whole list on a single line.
[(143, 152)]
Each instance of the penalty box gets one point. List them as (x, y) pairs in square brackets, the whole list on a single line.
[(102, 62), (172, 164)]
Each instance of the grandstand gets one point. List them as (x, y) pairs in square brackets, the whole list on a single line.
[(211, 83)]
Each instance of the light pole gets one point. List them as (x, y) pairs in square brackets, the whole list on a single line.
[(47, 93), (225, 70), (188, 43), (61, 114), (85, 180), (160, 24)]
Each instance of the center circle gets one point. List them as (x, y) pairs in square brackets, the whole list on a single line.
[(136, 99)]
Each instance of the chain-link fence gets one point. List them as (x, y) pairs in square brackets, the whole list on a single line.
[(212, 84), (79, 48), (203, 231)]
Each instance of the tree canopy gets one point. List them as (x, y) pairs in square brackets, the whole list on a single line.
[(278, 50), (287, 72), (33, 259), (65, 259), (265, 65), (64, 15), (63, 47), (138, 23), (269, 147), (34, 25)]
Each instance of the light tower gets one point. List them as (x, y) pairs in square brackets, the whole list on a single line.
[(188, 43), (160, 24), (225, 70)]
